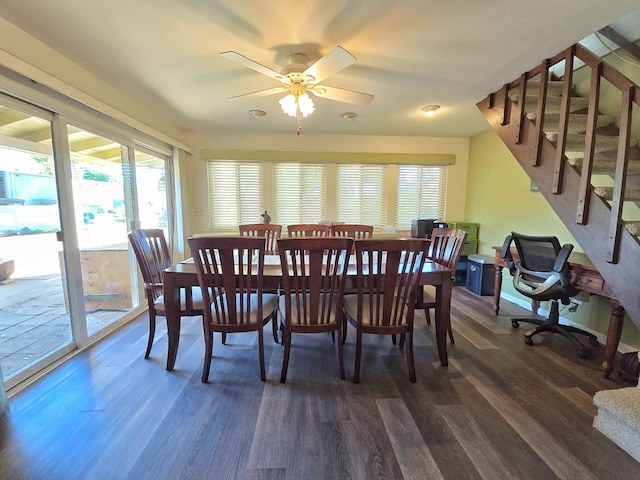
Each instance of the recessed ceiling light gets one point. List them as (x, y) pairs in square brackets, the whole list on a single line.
[(430, 109), (257, 113), (348, 115)]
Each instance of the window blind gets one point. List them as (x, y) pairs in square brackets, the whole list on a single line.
[(300, 193), (361, 194), (421, 193), (235, 194)]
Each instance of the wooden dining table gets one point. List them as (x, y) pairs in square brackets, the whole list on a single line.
[(183, 275)]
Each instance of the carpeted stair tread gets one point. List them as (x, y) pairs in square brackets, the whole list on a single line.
[(553, 103), (618, 417), (554, 87), (630, 194), (623, 401), (577, 122), (633, 228), (575, 142), (605, 166)]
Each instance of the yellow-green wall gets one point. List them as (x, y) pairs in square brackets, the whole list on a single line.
[(500, 199)]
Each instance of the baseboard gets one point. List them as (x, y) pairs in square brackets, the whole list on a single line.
[(602, 338)]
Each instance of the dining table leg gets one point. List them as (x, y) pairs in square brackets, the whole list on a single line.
[(443, 316), (172, 316)]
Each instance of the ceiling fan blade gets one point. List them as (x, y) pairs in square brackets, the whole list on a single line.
[(261, 93), (342, 95), (247, 62), (334, 61)]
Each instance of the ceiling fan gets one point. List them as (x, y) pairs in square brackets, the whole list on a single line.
[(298, 78)]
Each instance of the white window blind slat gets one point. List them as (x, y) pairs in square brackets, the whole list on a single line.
[(235, 194), (361, 194), (300, 193), (421, 193)]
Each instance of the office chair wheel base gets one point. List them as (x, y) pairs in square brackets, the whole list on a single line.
[(515, 324), (528, 341), (594, 342)]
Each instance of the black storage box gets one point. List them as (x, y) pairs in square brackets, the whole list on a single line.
[(481, 274), (422, 227)]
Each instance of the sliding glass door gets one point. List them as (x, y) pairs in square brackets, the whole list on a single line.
[(103, 197), (68, 197), (35, 322)]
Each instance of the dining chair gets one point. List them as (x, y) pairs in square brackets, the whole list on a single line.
[(308, 230), (445, 248), (353, 230), (387, 279), (231, 273), (152, 254), (313, 277), (269, 231)]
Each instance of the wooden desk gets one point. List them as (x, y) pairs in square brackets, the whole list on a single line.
[(585, 277), (184, 275)]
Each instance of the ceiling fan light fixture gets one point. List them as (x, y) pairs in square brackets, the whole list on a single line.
[(430, 110), (295, 104)]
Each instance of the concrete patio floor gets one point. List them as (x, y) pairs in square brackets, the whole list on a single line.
[(34, 320)]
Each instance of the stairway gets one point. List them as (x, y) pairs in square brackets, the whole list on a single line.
[(584, 162), (619, 417), (587, 166)]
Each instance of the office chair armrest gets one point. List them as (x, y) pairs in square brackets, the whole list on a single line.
[(562, 258), (562, 265), (505, 253)]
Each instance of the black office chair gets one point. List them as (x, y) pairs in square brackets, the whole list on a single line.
[(541, 272)]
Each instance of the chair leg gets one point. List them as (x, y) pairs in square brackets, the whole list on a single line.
[(339, 352), (224, 338), (427, 316), (344, 331), (208, 353), (410, 360), (451, 334), (356, 369), (152, 333), (261, 353), (286, 341), (274, 326)]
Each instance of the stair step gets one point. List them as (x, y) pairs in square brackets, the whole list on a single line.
[(605, 166), (575, 142), (619, 417), (606, 193), (633, 228), (553, 103), (554, 87), (577, 121)]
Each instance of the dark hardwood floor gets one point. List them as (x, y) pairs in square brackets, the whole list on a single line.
[(501, 410)]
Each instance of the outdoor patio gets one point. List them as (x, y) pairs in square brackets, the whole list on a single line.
[(34, 320)]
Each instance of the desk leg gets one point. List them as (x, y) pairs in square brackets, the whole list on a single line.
[(497, 288), (172, 315), (443, 317), (613, 337)]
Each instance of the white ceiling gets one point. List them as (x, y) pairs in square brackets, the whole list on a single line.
[(410, 53)]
